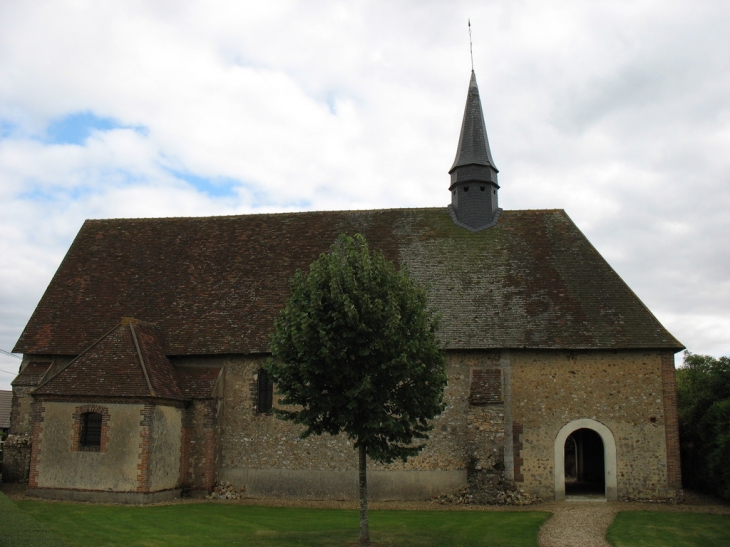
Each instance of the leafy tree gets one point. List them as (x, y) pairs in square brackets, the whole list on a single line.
[(703, 403), (355, 351)]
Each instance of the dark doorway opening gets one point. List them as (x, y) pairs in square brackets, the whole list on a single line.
[(584, 466)]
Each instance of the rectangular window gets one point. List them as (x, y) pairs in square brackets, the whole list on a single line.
[(265, 393), (90, 430)]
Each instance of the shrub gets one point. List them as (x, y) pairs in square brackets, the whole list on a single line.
[(703, 403)]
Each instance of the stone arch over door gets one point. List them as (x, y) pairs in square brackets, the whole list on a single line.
[(609, 455)]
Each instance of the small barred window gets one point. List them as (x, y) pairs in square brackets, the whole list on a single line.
[(265, 393), (90, 431)]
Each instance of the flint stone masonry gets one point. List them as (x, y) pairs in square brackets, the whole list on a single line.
[(60, 466), (20, 423), (165, 448), (16, 458), (259, 451), (198, 459), (620, 389), (479, 431), (140, 451)]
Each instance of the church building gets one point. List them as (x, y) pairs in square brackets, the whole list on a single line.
[(142, 363)]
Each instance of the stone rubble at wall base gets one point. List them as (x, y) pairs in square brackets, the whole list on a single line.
[(226, 491), (16, 458)]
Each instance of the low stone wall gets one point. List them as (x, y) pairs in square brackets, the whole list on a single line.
[(343, 485), (16, 458), (94, 496)]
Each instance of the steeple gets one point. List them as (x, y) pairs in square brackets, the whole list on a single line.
[(474, 175)]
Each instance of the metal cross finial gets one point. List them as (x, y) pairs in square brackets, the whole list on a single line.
[(471, 53)]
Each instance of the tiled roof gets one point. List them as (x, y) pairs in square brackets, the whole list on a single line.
[(128, 361), (6, 400), (198, 382), (213, 285), (32, 373)]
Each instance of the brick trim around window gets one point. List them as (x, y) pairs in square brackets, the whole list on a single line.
[(78, 424)]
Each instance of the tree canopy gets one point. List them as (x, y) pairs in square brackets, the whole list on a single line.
[(703, 404), (355, 351)]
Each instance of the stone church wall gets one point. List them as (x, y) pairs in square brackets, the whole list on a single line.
[(620, 389), (266, 456), (57, 462), (165, 448), (504, 411), (137, 461), (198, 458), (20, 423)]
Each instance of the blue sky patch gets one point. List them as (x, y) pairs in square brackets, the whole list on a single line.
[(76, 128), (217, 186), (6, 128)]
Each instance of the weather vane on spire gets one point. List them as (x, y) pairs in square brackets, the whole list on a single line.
[(471, 53)]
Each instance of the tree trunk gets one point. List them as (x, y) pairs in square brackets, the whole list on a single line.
[(364, 526)]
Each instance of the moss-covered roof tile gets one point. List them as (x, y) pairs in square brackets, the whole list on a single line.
[(213, 285)]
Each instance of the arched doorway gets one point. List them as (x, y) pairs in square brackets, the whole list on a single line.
[(584, 465), (577, 451)]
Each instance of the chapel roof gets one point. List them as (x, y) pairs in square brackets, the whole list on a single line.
[(198, 382), (32, 373), (127, 361), (213, 285)]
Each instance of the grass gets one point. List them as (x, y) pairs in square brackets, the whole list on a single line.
[(38, 523), (659, 529), (18, 529), (223, 524)]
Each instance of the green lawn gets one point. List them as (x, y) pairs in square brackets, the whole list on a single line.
[(659, 529), (18, 529), (211, 524)]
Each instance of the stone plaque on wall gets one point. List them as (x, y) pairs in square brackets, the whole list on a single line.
[(486, 386)]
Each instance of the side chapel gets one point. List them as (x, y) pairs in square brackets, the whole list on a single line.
[(142, 369)]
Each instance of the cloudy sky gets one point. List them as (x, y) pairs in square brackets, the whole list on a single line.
[(617, 112)]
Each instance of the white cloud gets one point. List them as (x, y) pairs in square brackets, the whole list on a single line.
[(616, 112)]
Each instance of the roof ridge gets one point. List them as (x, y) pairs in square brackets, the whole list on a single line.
[(280, 213), (141, 358)]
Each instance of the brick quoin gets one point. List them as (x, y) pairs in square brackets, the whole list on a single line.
[(517, 431), (143, 477), (37, 413), (208, 474), (185, 475), (671, 421)]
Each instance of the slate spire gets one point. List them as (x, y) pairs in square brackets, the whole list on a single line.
[(474, 170)]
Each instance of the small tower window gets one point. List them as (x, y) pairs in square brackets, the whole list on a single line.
[(90, 431), (466, 188), (482, 188), (265, 393)]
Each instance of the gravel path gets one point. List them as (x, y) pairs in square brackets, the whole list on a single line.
[(576, 524), (584, 524)]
